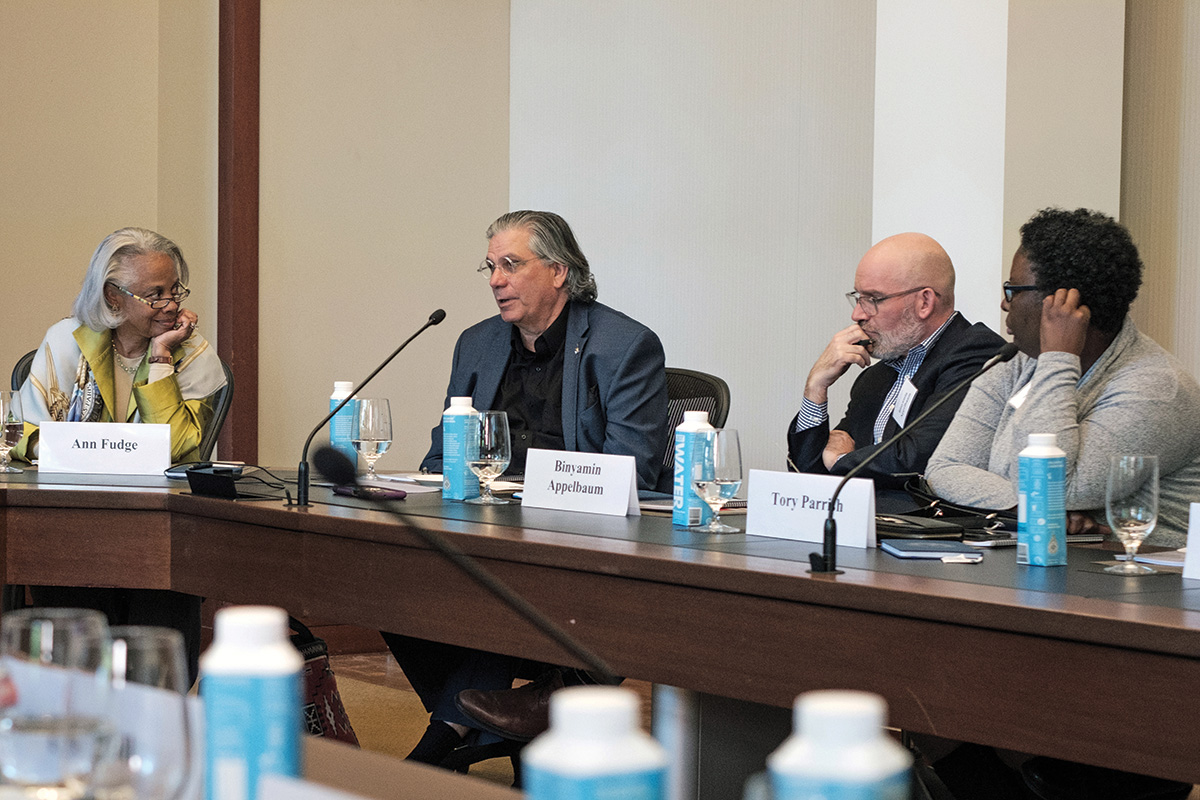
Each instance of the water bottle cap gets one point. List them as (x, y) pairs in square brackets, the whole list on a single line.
[(460, 402), (1043, 440), (695, 416), (250, 626), (343, 386), (838, 719), (593, 712)]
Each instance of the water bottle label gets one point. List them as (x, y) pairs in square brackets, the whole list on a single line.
[(252, 728), (542, 784), (341, 430), (458, 482), (791, 787), (687, 507), (1041, 513)]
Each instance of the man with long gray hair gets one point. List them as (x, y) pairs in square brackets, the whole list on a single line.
[(572, 374)]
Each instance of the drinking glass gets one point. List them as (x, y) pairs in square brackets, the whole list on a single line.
[(148, 711), (1131, 503), (717, 475), (53, 698), (488, 452), (372, 430), (12, 427)]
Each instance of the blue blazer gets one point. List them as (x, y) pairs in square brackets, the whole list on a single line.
[(614, 396)]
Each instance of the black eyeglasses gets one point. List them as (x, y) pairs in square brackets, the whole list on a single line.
[(870, 304), (179, 293), (1011, 290)]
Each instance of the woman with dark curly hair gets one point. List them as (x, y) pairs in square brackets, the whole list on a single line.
[(1085, 373)]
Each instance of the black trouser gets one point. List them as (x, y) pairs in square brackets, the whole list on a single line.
[(160, 607)]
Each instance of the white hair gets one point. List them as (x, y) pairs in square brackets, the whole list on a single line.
[(108, 264)]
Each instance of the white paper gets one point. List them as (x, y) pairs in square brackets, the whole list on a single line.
[(104, 448), (1191, 563), (795, 505), (596, 483)]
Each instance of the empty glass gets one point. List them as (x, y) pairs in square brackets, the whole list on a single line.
[(148, 711), (1131, 504), (54, 691)]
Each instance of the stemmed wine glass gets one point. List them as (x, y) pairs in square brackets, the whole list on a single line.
[(717, 475), (1131, 503), (12, 426), (488, 452), (149, 713), (372, 430), (54, 683)]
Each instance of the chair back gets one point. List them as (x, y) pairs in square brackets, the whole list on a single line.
[(221, 402), (21, 370), (689, 390)]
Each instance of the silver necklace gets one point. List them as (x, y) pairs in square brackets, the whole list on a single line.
[(123, 362)]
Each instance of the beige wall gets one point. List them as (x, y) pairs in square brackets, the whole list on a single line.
[(384, 156), (385, 153), (83, 94), (1160, 197)]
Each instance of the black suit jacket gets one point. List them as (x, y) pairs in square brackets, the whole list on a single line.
[(959, 351)]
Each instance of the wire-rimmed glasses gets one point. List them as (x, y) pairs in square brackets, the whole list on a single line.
[(179, 293)]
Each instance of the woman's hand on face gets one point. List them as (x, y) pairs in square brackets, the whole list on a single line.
[(185, 325)]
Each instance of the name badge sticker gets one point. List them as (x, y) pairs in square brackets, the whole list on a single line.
[(104, 448), (904, 401), (791, 505), (592, 482), (1191, 559)]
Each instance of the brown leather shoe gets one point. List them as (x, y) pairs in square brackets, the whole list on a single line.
[(518, 714)]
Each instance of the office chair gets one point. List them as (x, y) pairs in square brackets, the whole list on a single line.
[(689, 390)]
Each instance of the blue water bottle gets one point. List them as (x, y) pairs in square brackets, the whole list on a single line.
[(341, 427), (687, 509), (1041, 509)]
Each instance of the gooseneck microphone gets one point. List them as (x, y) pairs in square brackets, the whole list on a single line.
[(338, 470), (302, 471), (827, 560)]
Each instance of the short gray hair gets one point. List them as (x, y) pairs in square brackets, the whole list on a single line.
[(550, 238), (108, 264)]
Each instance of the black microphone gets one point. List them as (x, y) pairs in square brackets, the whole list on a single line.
[(302, 471), (827, 561), (338, 470)]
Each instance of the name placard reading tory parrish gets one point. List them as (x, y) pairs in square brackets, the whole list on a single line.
[(790, 505), (591, 482), (104, 448)]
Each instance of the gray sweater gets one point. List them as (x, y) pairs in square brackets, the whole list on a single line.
[(1136, 399)]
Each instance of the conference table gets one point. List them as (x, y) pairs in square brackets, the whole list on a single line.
[(1066, 662)]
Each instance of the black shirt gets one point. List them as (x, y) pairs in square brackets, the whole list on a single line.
[(531, 392)]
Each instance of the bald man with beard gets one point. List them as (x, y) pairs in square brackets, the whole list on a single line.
[(903, 318)]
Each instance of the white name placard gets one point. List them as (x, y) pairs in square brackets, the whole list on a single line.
[(794, 505), (1191, 560), (591, 482), (104, 448)]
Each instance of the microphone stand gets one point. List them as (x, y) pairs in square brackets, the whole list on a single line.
[(826, 561), (302, 476)]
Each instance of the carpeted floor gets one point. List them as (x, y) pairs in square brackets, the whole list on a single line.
[(387, 715)]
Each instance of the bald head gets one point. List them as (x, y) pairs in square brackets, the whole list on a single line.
[(908, 260)]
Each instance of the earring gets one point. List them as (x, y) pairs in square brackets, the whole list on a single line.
[(114, 309)]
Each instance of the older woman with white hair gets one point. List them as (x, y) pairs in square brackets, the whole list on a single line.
[(129, 352)]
